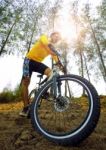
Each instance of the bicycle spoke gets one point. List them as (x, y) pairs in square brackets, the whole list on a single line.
[(67, 115), (63, 119)]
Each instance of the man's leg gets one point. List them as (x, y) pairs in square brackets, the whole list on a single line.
[(24, 88), (48, 72)]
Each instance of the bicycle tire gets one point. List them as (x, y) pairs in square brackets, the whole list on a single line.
[(84, 129)]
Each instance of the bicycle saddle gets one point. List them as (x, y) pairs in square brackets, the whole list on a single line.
[(40, 75)]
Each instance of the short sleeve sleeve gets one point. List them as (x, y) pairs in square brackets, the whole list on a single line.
[(44, 39), (55, 58)]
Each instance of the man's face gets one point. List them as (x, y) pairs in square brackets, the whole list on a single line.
[(55, 38)]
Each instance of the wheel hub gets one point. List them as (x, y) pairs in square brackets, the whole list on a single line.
[(61, 104)]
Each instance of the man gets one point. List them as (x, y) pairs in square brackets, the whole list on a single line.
[(33, 62)]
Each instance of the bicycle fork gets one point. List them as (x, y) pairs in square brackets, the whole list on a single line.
[(56, 90)]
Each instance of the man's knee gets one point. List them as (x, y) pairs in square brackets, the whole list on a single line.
[(48, 72), (26, 81)]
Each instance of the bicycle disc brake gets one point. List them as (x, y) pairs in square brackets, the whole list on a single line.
[(61, 104)]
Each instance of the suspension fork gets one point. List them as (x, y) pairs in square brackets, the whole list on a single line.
[(59, 87), (56, 86)]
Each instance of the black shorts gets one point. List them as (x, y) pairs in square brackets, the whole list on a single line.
[(30, 66)]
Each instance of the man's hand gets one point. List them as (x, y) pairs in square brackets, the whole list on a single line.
[(62, 68)]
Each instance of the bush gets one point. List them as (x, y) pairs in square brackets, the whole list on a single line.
[(10, 96), (17, 93)]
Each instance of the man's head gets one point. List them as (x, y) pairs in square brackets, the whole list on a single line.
[(55, 37)]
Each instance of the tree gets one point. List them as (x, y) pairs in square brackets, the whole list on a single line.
[(95, 39), (9, 18)]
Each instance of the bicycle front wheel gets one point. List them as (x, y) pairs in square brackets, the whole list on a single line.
[(72, 116)]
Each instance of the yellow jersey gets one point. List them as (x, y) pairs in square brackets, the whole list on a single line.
[(40, 50)]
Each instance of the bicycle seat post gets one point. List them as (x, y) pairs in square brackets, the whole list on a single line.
[(40, 77)]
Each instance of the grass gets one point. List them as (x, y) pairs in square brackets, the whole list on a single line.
[(66, 121), (17, 132)]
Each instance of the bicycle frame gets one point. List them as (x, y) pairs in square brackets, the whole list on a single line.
[(56, 86)]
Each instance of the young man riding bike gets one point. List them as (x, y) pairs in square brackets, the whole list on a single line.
[(33, 63)]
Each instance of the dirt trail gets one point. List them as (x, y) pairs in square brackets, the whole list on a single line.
[(16, 133)]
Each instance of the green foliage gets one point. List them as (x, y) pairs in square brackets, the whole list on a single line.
[(21, 22), (10, 96)]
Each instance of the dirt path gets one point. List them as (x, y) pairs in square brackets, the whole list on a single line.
[(16, 133)]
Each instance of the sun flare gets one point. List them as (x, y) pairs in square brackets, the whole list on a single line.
[(68, 31), (67, 28)]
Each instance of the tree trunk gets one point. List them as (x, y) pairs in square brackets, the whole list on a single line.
[(82, 66), (6, 40), (86, 68), (82, 69), (31, 37), (98, 49)]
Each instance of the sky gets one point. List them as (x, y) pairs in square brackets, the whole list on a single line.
[(65, 24), (11, 72), (11, 66)]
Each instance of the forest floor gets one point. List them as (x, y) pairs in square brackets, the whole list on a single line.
[(16, 133)]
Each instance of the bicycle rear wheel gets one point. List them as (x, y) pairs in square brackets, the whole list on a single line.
[(32, 95), (71, 117)]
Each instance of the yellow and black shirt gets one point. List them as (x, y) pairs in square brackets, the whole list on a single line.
[(40, 50)]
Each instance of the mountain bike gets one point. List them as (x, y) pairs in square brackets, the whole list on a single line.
[(65, 109)]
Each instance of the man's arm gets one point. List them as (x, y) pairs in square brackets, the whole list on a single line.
[(54, 53), (53, 50), (55, 57)]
